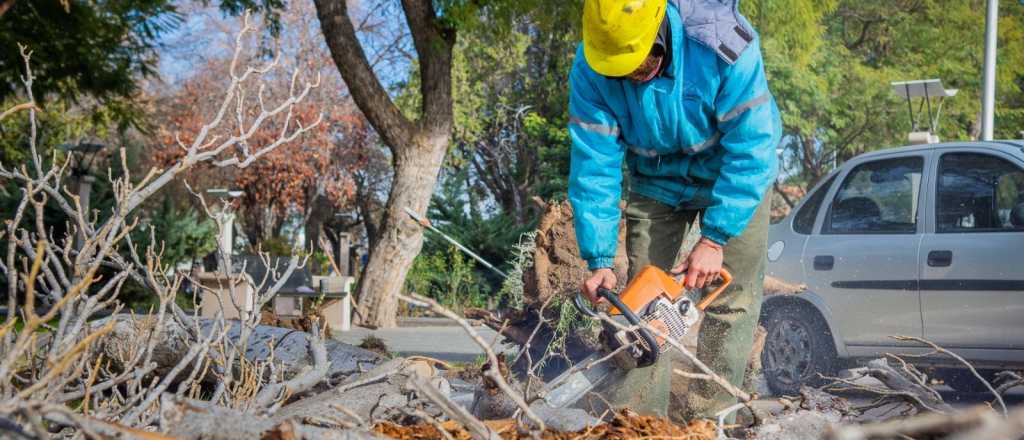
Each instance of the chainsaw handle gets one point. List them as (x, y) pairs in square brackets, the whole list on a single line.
[(583, 305), (649, 357), (707, 299)]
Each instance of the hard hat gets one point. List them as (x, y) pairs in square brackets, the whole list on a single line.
[(618, 34)]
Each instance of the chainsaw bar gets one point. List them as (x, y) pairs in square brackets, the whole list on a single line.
[(571, 386)]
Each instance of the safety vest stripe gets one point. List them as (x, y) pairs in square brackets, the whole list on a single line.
[(602, 129), (739, 109)]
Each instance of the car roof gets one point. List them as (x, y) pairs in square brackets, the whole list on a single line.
[(1011, 146)]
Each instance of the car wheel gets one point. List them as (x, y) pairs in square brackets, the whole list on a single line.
[(798, 350), (963, 381)]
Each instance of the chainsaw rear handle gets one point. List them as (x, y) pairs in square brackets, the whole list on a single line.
[(649, 357), (726, 278)]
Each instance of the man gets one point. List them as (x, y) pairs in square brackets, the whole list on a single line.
[(676, 89)]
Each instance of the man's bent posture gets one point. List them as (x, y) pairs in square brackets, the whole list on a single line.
[(676, 89)]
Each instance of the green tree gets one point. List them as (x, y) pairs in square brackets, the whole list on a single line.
[(830, 64), (93, 49), (510, 99), (83, 48), (178, 232)]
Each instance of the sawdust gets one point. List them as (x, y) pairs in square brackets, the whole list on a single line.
[(626, 425), (557, 267)]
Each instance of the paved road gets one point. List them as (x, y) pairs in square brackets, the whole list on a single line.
[(448, 343)]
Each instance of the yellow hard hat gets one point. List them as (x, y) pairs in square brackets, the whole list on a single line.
[(618, 34)]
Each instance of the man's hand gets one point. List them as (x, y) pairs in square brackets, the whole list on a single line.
[(603, 277), (702, 265)]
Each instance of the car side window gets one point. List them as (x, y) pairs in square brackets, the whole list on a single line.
[(979, 193), (879, 197), (803, 221)]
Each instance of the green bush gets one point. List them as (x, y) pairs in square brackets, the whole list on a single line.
[(449, 277)]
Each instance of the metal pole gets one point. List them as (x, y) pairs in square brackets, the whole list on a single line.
[(426, 224), (989, 92)]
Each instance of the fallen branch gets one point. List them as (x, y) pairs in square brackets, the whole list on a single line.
[(493, 372), (927, 423), (302, 382), (455, 412), (937, 349), (906, 383)]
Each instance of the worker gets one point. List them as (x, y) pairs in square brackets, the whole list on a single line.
[(676, 90)]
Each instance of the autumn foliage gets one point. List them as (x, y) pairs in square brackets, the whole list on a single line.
[(310, 175)]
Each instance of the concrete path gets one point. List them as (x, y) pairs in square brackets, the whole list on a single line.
[(448, 343)]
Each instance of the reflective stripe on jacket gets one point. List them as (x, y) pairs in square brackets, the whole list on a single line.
[(701, 135)]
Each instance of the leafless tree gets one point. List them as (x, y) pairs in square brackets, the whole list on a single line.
[(55, 354)]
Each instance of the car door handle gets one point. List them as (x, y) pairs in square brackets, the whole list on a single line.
[(824, 262), (940, 258)]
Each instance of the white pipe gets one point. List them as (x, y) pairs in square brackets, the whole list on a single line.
[(989, 91)]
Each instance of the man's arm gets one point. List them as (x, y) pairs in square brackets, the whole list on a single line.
[(595, 176), (751, 128)]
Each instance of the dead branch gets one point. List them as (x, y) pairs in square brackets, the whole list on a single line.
[(302, 382), (936, 349), (974, 421), (454, 411), (906, 383), (1008, 380), (493, 372)]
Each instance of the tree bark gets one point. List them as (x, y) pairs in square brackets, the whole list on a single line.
[(288, 348), (399, 238), (418, 147)]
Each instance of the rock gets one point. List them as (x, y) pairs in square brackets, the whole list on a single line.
[(800, 425)]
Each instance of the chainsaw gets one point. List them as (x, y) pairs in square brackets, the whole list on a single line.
[(653, 299)]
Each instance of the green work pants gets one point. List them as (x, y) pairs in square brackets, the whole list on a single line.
[(654, 235)]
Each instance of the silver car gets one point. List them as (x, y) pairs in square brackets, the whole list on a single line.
[(924, 241)]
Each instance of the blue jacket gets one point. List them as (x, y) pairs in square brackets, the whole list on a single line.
[(700, 136)]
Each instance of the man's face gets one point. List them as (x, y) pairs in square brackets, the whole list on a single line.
[(649, 68)]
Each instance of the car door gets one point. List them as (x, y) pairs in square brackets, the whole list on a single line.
[(972, 270), (864, 259)]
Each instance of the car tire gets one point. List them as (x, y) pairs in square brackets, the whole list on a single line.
[(798, 350), (963, 381)]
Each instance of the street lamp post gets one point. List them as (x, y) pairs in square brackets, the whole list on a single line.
[(988, 99), (83, 179)]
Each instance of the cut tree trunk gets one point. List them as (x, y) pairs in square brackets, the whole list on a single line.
[(400, 237), (288, 348), (188, 419)]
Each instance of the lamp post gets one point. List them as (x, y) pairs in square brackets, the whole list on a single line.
[(988, 97), (83, 179), (225, 219)]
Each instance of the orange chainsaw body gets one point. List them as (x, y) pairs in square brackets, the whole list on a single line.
[(653, 282), (647, 286)]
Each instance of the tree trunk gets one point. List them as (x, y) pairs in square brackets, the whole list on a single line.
[(400, 237), (418, 147)]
